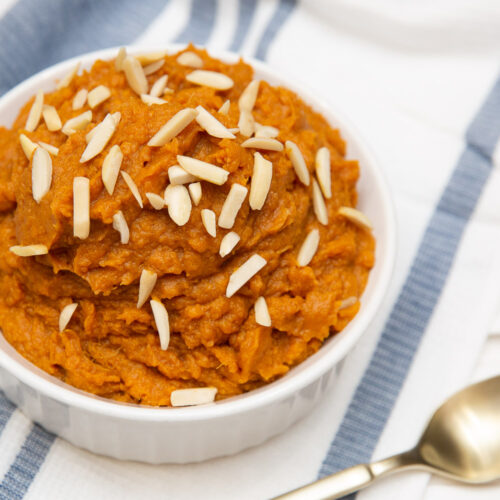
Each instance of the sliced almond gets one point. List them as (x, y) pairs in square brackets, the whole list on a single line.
[(246, 123), (195, 192), (174, 126), (177, 175), (157, 202), (147, 282), (29, 250), (66, 315), (232, 205), (80, 99), (167, 91), (81, 207), (49, 148), (244, 273), (234, 130), (135, 75), (69, 77), (153, 67), (266, 131), (35, 113), (27, 145), (160, 315), (261, 181), (77, 123), (159, 86), (203, 170), (247, 99), (133, 187), (319, 204), (262, 316), (323, 171), (208, 219), (298, 162), (224, 109), (211, 79), (348, 302), (309, 248), (190, 59), (179, 204), (151, 57), (41, 174), (111, 168), (100, 138), (263, 143), (210, 124), (116, 118), (193, 397), (51, 118), (98, 95), (228, 243), (150, 100), (356, 217), (120, 224), (120, 57)]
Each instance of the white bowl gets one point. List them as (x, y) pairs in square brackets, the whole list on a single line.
[(180, 435)]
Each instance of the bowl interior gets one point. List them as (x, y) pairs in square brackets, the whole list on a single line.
[(374, 200)]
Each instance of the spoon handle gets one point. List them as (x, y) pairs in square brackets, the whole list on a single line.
[(353, 479)]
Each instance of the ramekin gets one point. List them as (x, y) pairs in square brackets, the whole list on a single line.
[(180, 435)]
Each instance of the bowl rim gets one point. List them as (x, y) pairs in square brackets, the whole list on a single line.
[(270, 393)]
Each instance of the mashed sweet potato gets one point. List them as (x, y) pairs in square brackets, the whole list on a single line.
[(110, 346)]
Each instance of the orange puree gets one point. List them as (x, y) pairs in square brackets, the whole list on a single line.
[(110, 347)]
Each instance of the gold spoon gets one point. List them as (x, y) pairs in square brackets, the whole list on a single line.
[(461, 442)]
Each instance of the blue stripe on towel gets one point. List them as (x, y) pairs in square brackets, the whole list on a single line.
[(6, 411), (246, 12), (200, 24), (34, 34), (23, 470), (381, 383), (281, 14)]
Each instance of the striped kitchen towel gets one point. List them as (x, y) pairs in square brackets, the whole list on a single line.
[(420, 80)]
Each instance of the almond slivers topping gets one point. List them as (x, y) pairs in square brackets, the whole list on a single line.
[(153, 67), (77, 123), (179, 204), (309, 248), (193, 397), (177, 175), (356, 217), (65, 316), (323, 171), (232, 205), (208, 219), (158, 87), (150, 100), (111, 168), (211, 79), (319, 204), (190, 59), (228, 243), (350, 301), (244, 274), (151, 57), (211, 125), (29, 250), (195, 192), (120, 224), (51, 118), (266, 131), (246, 123), (157, 202), (203, 170), (160, 315), (41, 174), (247, 99), (174, 126), (69, 77), (35, 113), (98, 95), (49, 148), (224, 109), (261, 181), (147, 282), (120, 57), (100, 138), (80, 99), (81, 207), (27, 145), (263, 143), (135, 75), (133, 187), (262, 316), (298, 162)]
